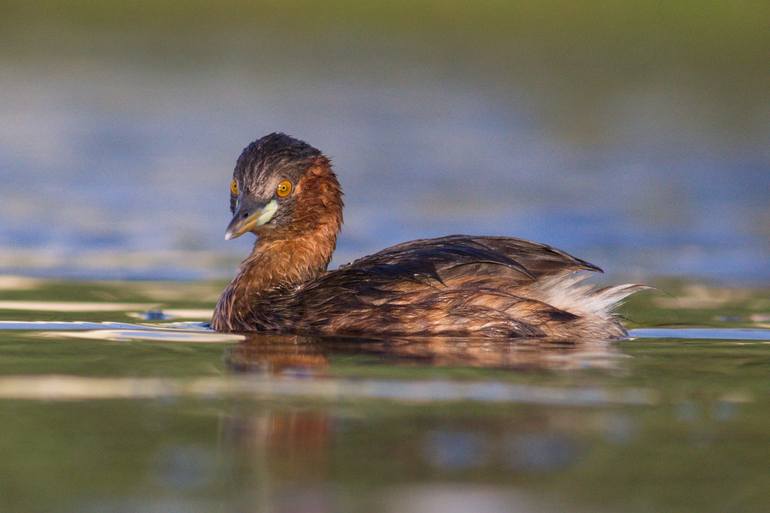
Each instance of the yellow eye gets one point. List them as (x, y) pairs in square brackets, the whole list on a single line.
[(234, 187), (283, 189)]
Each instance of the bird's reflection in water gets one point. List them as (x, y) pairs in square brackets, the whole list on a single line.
[(288, 455), (278, 458), (296, 353)]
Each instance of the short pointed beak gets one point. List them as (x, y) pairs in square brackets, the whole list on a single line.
[(235, 229), (249, 216)]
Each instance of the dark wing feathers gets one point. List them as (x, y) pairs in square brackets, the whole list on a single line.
[(433, 258), (455, 284)]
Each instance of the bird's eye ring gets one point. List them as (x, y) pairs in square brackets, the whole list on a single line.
[(283, 189), (234, 187)]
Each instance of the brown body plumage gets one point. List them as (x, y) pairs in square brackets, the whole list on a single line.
[(456, 286)]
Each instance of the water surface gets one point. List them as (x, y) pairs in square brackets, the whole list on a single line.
[(116, 397)]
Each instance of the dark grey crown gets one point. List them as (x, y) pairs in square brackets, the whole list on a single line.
[(273, 153)]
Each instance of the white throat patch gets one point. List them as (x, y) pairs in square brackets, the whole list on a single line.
[(267, 213)]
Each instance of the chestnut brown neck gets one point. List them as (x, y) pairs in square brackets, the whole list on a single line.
[(288, 256)]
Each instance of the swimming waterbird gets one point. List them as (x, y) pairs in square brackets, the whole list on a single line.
[(285, 192)]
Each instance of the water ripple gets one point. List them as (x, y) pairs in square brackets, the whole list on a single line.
[(68, 388)]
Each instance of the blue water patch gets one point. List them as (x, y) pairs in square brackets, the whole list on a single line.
[(701, 333)]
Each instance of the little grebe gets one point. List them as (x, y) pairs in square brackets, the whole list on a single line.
[(285, 192)]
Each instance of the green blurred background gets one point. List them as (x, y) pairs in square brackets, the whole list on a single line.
[(633, 133)]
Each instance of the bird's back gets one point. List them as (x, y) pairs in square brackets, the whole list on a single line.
[(456, 285)]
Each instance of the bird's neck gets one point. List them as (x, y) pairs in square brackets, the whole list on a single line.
[(272, 266), (282, 263)]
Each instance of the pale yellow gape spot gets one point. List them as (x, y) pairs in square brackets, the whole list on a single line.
[(283, 189)]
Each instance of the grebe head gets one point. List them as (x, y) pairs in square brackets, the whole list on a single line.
[(282, 188)]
